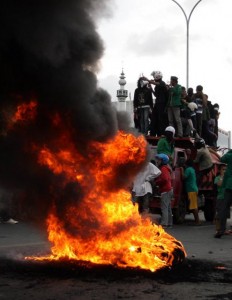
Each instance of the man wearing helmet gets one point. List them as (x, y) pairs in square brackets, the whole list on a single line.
[(166, 143), (164, 182), (159, 117)]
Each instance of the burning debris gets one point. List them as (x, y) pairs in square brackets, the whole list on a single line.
[(63, 150)]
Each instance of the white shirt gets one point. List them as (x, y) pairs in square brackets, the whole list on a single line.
[(141, 184)]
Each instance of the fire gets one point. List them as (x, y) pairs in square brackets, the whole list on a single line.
[(25, 111), (23, 114), (104, 227)]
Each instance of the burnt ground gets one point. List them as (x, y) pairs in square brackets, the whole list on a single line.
[(48, 280)]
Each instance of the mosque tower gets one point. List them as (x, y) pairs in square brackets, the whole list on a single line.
[(123, 104), (122, 93)]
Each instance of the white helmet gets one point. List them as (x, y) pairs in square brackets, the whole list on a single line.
[(157, 75), (171, 129), (153, 73)]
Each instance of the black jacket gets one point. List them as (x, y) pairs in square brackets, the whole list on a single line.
[(142, 97)]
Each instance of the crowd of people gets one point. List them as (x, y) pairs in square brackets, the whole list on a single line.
[(193, 170), (168, 110), (191, 114), (164, 175)]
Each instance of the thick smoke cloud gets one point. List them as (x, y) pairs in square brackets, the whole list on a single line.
[(49, 50)]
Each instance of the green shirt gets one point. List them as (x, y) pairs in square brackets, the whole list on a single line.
[(227, 159), (190, 180), (163, 146), (220, 189), (175, 93)]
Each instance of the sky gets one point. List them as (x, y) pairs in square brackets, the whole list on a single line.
[(142, 36)]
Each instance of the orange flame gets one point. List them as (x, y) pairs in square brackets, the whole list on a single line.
[(25, 111), (105, 228), (22, 114)]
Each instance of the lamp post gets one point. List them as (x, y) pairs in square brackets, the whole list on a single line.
[(187, 37)]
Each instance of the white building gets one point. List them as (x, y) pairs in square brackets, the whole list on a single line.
[(124, 104), (224, 138)]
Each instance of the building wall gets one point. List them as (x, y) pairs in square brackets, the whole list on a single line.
[(224, 138), (126, 106)]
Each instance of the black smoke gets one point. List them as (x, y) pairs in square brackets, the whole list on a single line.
[(49, 50)]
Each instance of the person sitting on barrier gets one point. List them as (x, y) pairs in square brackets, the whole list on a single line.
[(164, 182), (165, 144)]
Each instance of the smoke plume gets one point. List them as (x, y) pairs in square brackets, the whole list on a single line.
[(49, 52)]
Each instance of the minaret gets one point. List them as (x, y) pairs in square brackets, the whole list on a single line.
[(122, 93)]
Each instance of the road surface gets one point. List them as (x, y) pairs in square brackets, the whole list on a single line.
[(205, 274)]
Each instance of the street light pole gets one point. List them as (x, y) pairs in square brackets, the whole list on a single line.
[(187, 37)]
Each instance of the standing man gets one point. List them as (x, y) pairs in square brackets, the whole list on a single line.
[(220, 199), (159, 118), (227, 185), (201, 101), (174, 105), (142, 187), (143, 104)]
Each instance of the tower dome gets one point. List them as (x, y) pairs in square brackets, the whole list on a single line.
[(122, 80), (122, 93)]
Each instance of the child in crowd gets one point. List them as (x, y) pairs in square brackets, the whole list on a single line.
[(191, 188)]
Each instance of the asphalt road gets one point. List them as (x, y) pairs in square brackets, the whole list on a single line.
[(205, 274)]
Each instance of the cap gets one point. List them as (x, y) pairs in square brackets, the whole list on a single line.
[(174, 78), (153, 73), (163, 157), (171, 129)]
